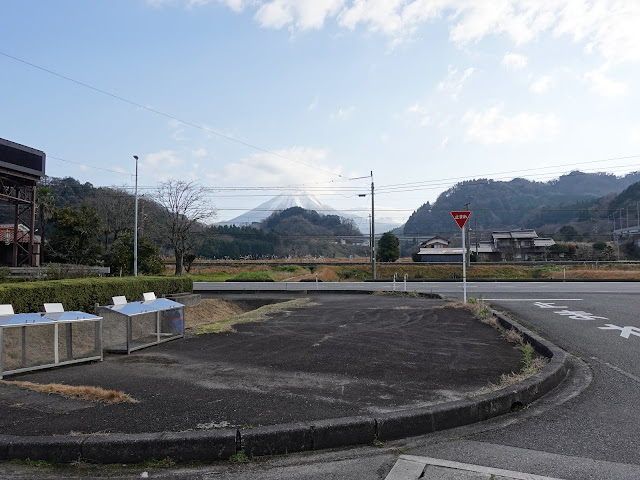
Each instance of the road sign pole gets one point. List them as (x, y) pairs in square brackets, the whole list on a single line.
[(464, 267), (461, 219)]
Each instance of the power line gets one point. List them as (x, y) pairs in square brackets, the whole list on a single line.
[(166, 115), (483, 181), (88, 166), (512, 171)]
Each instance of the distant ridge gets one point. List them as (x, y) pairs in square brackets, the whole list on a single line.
[(309, 202)]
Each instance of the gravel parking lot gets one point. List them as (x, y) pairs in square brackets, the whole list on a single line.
[(343, 355)]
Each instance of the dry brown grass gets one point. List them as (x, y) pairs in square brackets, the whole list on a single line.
[(510, 379), (328, 271), (532, 364), (478, 308), (94, 394), (515, 337), (226, 323), (326, 274), (211, 310)]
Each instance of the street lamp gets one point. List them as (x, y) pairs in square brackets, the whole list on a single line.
[(135, 226)]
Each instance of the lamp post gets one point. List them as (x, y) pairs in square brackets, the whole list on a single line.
[(135, 225)]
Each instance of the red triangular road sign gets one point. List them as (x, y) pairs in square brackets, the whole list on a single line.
[(461, 217)]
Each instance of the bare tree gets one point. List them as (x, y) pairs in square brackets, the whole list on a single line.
[(115, 207), (45, 208), (184, 205)]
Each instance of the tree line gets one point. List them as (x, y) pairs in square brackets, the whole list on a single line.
[(80, 224)]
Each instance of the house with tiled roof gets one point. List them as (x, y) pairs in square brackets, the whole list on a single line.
[(519, 245), (6, 244)]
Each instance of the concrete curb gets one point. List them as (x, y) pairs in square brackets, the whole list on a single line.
[(296, 437), (310, 291)]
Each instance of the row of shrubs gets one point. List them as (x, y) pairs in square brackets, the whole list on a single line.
[(83, 294)]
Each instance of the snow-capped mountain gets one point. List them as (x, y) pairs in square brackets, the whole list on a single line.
[(308, 202)]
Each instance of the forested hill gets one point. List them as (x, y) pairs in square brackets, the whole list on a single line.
[(298, 221), (294, 231), (518, 203)]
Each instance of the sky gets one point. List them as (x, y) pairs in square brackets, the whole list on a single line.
[(253, 98)]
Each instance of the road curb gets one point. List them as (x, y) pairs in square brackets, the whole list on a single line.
[(296, 437)]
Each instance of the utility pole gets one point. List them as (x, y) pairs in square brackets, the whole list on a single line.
[(475, 220), (370, 241), (627, 216), (372, 229), (373, 234)]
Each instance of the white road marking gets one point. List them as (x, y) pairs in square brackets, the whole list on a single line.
[(580, 315), (549, 305), (618, 369), (533, 299), (624, 331), (409, 464)]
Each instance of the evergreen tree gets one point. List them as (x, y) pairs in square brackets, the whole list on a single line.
[(388, 248)]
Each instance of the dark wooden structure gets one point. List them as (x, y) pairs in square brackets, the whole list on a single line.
[(21, 168)]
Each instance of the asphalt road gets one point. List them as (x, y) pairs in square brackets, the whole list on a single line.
[(594, 434), (587, 429), (474, 289)]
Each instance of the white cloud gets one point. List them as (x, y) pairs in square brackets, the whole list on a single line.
[(421, 113), (177, 130), (162, 165), (492, 127), (454, 81), (514, 61), (235, 5), (290, 167), (542, 84), (313, 104), (302, 14), (199, 153), (603, 85), (609, 27), (343, 113), (634, 136), (380, 15)]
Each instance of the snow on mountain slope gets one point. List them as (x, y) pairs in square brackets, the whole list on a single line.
[(308, 202)]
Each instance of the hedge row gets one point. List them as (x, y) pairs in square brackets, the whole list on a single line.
[(83, 294)]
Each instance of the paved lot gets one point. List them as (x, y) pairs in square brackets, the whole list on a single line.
[(347, 355)]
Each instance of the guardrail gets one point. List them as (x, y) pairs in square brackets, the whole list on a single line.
[(42, 271)]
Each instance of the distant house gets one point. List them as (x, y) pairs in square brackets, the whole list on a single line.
[(6, 245), (436, 250), (519, 245), (435, 242), (516, 245)]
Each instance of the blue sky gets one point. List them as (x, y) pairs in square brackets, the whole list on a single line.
[(253, 98)]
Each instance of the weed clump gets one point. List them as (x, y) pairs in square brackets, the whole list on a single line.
[(95, 394), (239, 457)]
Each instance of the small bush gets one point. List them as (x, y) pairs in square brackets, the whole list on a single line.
[(4, 274), (346, 273), (252, 276), (288, 268)]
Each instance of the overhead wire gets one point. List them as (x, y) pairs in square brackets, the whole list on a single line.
[(400, 187), (166, 115)]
